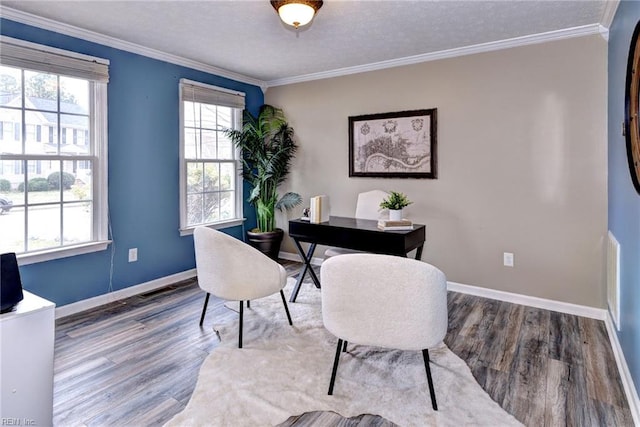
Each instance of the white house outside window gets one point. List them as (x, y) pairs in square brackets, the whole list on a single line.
[(53, 195), (210, 183)]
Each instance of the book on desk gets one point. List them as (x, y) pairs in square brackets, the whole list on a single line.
[(395, 225), (319, 209)]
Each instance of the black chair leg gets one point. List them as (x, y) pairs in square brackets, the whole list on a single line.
[(286, 307), (425, 356), (344, 346), (204, 309), (240, 327), (248, 304), (335, 367)]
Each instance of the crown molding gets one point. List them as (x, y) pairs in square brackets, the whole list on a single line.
[(70, 30), (610, 8), (585, 30)]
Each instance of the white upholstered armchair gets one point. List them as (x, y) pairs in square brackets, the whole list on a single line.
[(367, 207), (384, 301), (232, 270)]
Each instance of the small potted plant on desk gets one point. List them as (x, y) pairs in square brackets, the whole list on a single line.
[(395, 202), (267, 148)]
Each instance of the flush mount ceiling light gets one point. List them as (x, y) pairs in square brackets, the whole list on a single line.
[(296, 13)]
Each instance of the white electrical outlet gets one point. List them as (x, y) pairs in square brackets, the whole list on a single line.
[(508, 259), (133, 254)]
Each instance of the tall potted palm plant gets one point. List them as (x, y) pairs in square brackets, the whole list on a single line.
[(267, 148)]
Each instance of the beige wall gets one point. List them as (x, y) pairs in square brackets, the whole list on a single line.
[(521, 155)]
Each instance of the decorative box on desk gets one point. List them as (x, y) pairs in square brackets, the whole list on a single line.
[(26, 362)]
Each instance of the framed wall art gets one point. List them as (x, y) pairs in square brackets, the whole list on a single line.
[(402, 144)]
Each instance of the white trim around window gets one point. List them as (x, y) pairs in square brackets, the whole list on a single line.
[(195, 95), (30, 57)]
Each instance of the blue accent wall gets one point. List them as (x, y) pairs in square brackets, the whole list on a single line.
[(143, 173), (624, 201)]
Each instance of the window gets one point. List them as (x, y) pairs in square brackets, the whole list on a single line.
[(31, 133), (210, 167), (56, 210)]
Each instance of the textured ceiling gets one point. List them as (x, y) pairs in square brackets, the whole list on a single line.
[(247, 37)]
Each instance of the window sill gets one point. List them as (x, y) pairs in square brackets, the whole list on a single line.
[(215, 226), (51, 254)]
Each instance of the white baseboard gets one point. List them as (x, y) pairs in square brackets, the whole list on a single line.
[(87, 304), (546, 304), (625, 375)]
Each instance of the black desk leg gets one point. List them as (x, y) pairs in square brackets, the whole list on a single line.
[(306, 258), (419, 252)]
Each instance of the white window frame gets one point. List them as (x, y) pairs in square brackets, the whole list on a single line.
[(211, 91), (31, 56)]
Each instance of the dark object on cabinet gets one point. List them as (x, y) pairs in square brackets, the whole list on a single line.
[(10, 283)]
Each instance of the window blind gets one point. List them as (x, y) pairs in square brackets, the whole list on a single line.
[(41, 59), (211, 95)]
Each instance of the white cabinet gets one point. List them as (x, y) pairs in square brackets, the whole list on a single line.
[(26, 362)]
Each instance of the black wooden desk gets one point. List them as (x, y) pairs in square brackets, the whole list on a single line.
[(351, 233)]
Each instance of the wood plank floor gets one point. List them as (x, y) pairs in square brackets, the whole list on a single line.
[(136, 361)]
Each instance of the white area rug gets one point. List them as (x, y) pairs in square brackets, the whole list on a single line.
[(284, 371)]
